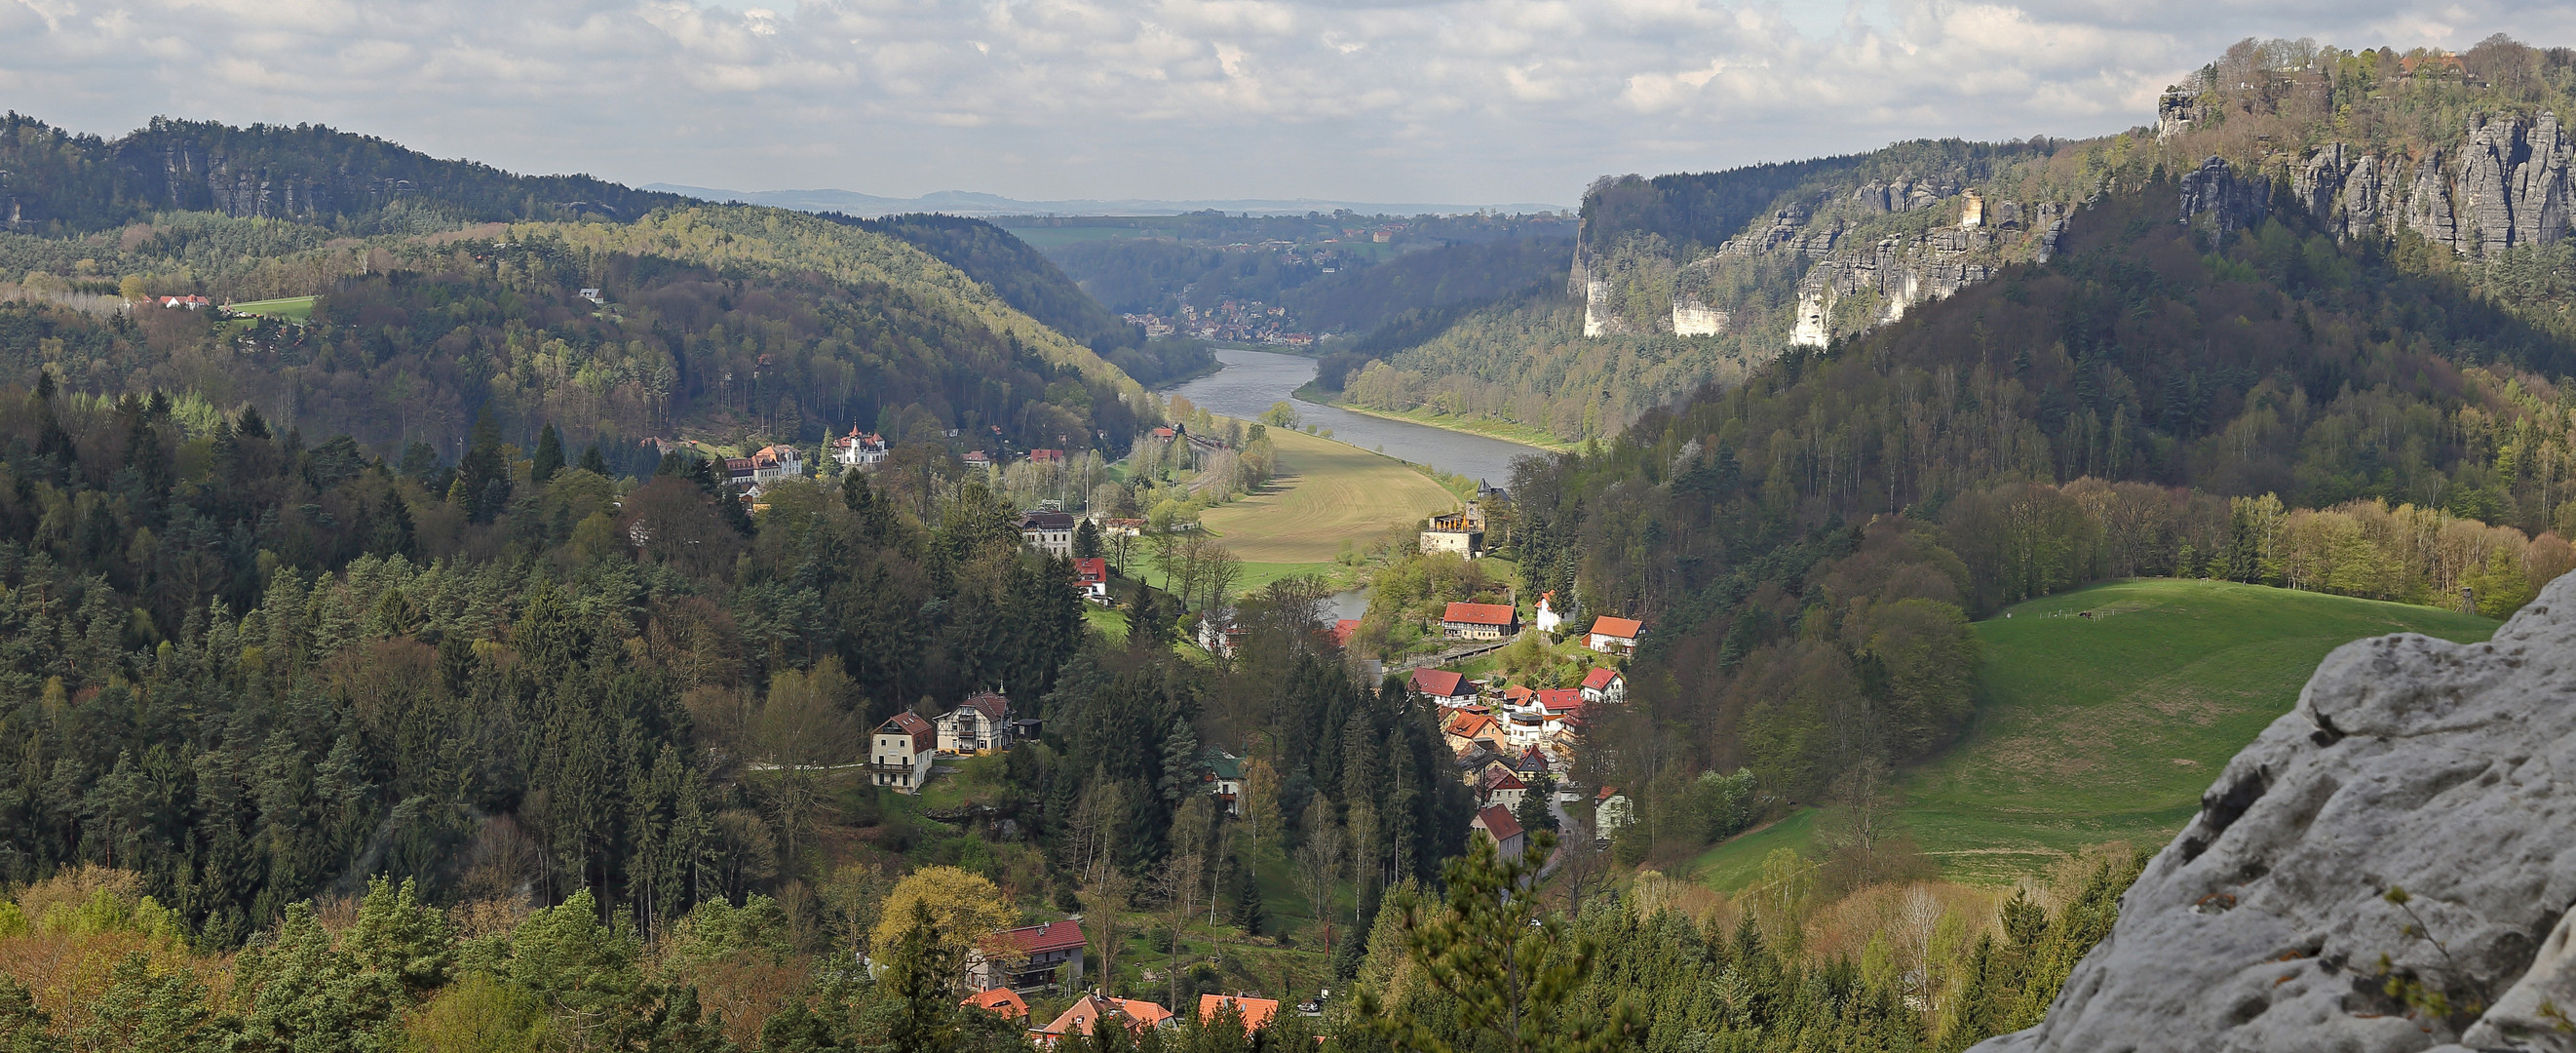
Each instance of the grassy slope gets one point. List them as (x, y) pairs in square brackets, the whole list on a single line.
[(1471, 424), (1325, 493), (2109, 729), (292, 308)]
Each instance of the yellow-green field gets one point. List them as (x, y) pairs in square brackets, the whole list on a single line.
[(1472, 425), (1325, 494), (290, 309)]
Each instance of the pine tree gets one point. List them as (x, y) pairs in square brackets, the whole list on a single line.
[(592, 461), (921, 978), (395, 534), (549, 457), (1248, 911), (1086, 540)]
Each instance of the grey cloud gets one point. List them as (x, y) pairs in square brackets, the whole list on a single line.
[(1461, 100)]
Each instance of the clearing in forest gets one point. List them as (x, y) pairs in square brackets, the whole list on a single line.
[(290, 309), (2109, 728), (1325, 493)]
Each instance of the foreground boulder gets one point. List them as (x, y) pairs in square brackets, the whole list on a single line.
[(2444, 772)]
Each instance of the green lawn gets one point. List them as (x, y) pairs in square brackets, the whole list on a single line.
[(290, 309), (1737, 862), (2110, 728), (1473, 425)]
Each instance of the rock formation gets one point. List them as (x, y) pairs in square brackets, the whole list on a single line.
[(2504, 184), (2273, 922)]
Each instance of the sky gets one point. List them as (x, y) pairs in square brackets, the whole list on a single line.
[(1454, 101)]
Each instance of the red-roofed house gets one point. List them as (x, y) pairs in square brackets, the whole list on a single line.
[(1479, 621), (901, 753), (1560, 700), (1517, 695), (1030, 959), (1532, 762), (1001, 1000), (1499, 786), (1464, 728), (982, 722), (1343, 630), (1256, 1012), (1046, 456), (1604, 684), (1498, 825), (1092, 576), (1092, 1011), (1614, 635), (1443, 686), (858, 449), (1610, 811)]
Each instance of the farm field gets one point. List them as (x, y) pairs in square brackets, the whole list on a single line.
[(290, 309), (2109, 728), (1326, 493)]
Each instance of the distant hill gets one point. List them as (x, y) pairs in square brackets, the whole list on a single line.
[(970, 203), (54, 182), (449, 289)]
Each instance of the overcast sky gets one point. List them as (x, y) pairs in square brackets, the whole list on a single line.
[(1466, 101)]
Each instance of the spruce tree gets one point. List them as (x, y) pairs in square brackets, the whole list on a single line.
[(1248, 912), (592, 461), (549, 458)]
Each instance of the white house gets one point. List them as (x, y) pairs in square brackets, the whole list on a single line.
[(979, 724), (1092, 577), (766, 465), (859, 449), (1614, 635), (1604, 684), (1048, 532), (1549, 621), (1610, 811), (901, 754)]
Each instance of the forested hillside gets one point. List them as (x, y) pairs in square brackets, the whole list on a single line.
[(55, 183), (733, 324), (2284, 409)]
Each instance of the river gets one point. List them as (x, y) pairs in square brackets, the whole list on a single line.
[(1252, 380)]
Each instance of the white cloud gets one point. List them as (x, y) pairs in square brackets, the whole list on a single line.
[(1453, 100)]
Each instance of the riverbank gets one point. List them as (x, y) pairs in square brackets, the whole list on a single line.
[(1520, 434)]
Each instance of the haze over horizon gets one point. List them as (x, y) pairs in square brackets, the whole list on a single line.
[(1454, 101)]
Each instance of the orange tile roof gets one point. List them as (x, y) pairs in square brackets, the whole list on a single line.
[(1001, 1000), (1256, 1011), (1089, 1009), (1478, 613), (1623, 628)]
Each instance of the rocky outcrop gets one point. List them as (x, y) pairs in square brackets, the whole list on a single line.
[(2273, 922), (2231, 202), (2505, 184)]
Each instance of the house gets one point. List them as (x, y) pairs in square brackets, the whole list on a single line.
[(859, 449), (1444, 687), (978, 459), (1029, 959), (1091, 1011), (1604, 684), (1498, 825), (1615, 635), (1091, 576), (1610, 811), (1557, 701), (1001, 1000), (1532, 763), (1048, 532), (981, 723), (1473, 760), (1454, 533), (1224, 778), (192, 303), (1517, 696), (1122, 528), (1256, 1012), (1499, 786), (1548, 620), (1217, 637), (1342, 631), (1525, 727), (1479, 621), (901, 754), (766, 465), (1465, 729)]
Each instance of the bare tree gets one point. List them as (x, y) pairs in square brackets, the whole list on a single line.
[(1365, 850), (1319, 863), (1102, 900), (1582, 865), (1178, 884)]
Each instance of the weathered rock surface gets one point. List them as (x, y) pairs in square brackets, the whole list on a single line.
[(2446, 770)]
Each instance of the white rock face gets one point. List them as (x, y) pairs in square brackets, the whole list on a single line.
[(2447, 770)]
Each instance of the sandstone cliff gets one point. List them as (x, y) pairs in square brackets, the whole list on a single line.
[(2501, 185), (2273, 922)]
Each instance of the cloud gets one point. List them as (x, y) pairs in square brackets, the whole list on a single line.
[(1456, 100)]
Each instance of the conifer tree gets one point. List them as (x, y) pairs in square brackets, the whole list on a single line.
[(549, 458), (592, 461)]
